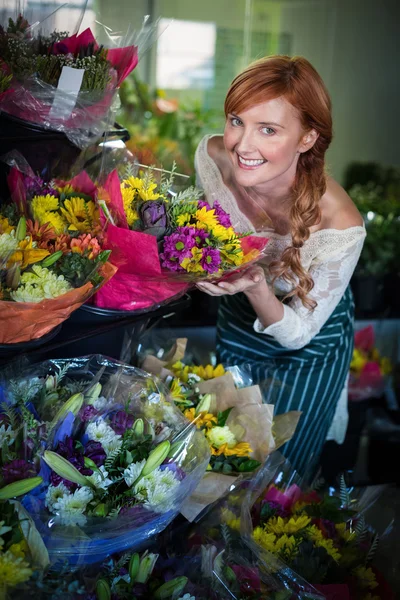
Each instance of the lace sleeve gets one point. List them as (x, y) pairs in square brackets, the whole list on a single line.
[(331, 278)]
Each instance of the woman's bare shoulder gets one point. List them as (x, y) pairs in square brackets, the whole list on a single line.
[(338, 211)]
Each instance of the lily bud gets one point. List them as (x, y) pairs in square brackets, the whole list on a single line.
[(19, 488), (103, 590), (13, 276), (50, 260), (50, 382), (138, 427), (176, 449), (93, 393), (65, 469), (204, 404), (173, 587), (90, 464), (101, 510), (134, 565), (156, 457), (73, 405), (146, 567), (21, 230)]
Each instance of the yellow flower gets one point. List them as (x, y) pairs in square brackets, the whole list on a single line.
[(265, 539), (5, 226), (218, 436), (183, 220), (43, 204), (223, 233), (67, 189), (202, 419), (13, 570), (55, 221), (79, 214), (344, 532), (206, 218), (233, 253), (366, 577), (358, 361), (128, 196), (241, 449), (192, 265), (26, 254), (133, 182), (19, 550), (293, 525), (318, 538), (229, 517), (386, 366), (190, 413), (175, 391)]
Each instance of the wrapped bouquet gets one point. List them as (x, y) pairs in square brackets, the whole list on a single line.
[(368, 369), (117, 464)]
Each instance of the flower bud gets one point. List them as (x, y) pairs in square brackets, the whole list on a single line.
[(134, 565), (90, 464), (204, 404), (93, 393), (65, 469), (101, 510), (21, 230), (50, 260), (146, 567), (138, 427), (51, 382), (156, 457), (13, 276), (176, 449), (73, 405), (173, 587), (103, 590), (19, 488)]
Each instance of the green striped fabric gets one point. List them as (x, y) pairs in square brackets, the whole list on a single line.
[(310, 379)]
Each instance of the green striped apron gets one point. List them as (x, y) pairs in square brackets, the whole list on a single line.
[(310, 379)]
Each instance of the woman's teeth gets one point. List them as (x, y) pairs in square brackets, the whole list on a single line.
[(251, 163)]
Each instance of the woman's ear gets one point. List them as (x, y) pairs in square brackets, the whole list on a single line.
[(308, 140)]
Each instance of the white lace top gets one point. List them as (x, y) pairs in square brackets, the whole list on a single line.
[(329, 255)]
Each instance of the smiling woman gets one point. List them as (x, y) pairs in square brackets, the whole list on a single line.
[(292, 318)]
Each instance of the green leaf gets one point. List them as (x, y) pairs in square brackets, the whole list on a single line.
[(223, 416)]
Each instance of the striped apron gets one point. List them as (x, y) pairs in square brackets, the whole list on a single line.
[(310, 379)]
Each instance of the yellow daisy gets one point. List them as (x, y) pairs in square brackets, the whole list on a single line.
[(366, 577), (79, 214), (206, 218), (54, 220), (13, 570), (43, 204), (5, 226), (128, 196), (192, 265), (293, 525)]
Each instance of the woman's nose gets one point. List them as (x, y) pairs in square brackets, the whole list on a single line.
[(245, 143)]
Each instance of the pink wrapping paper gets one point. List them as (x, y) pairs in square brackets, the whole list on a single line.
[(287, 499)]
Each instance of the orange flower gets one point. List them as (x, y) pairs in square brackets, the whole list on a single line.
[(241, 449), (86, 243), (63, 243), (42, 234)]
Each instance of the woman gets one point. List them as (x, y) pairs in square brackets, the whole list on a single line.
[(292, 320)]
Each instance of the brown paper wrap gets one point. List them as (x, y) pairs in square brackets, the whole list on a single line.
[(26, 321), (250, 420)]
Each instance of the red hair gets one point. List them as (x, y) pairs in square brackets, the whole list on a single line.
[(295, 79)]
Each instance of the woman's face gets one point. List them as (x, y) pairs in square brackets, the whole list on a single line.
[(264, 143)]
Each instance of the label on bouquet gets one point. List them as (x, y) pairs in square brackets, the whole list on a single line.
[(68, 88)]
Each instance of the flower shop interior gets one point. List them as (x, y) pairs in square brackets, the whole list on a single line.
[(136, 460)]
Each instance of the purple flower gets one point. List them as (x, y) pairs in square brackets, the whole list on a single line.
[(211, 260), (121, 421), (18, 469), (222, 216), (202, 204), (95, 451), (172, 466), (153, 215), (171, 263), (67, 450), (88, 413), (179, 244)]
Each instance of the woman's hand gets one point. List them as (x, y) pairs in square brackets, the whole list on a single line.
[(249, 282)]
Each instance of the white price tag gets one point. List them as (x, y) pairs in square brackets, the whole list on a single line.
[(68, 88)]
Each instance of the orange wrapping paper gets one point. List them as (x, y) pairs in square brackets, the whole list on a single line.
[(26, 321)]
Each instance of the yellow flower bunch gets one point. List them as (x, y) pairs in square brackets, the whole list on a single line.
[(317, 537), (206, 372), (366, 577), (74, 214), (229, 517), (5, 226), (144, 188), (361, 358)]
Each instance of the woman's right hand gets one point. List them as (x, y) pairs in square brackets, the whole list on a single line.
[(250, 281)]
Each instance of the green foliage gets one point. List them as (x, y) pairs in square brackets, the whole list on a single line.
[(233, 464)]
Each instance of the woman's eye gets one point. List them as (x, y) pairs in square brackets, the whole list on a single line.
[(268, 130), (236, 122)]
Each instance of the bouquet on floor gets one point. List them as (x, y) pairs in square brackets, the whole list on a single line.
[(118, 462), (323, 538), (241, 431), (22, 552), (161, 241), (368, 369), (51, 257), (64, 82)]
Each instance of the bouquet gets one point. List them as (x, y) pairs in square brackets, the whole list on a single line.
[(61, 81), (321, 537), (368, 370), (50, 263), (119, 460), (158, 237), (241, 431)]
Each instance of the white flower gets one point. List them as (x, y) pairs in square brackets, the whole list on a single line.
[(157, 490), (70, 508), (218, 436), (54, 494), (100, 403), (132, 472), (8, 244), (187, 597), (99, 431), (193, 378), (7, 435), (100, 480)]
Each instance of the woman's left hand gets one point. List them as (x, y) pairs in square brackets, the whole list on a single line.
[(249, 281)]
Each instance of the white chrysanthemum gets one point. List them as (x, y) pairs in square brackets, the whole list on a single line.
[(132, 472), (7, 435), (100, 403), (99, 431), (40, 283), (187, 597), (193, 378), (218, 436), (8, 245), (54, 494), (100, 480), (70, 508), (28, 293), (157, 490)]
